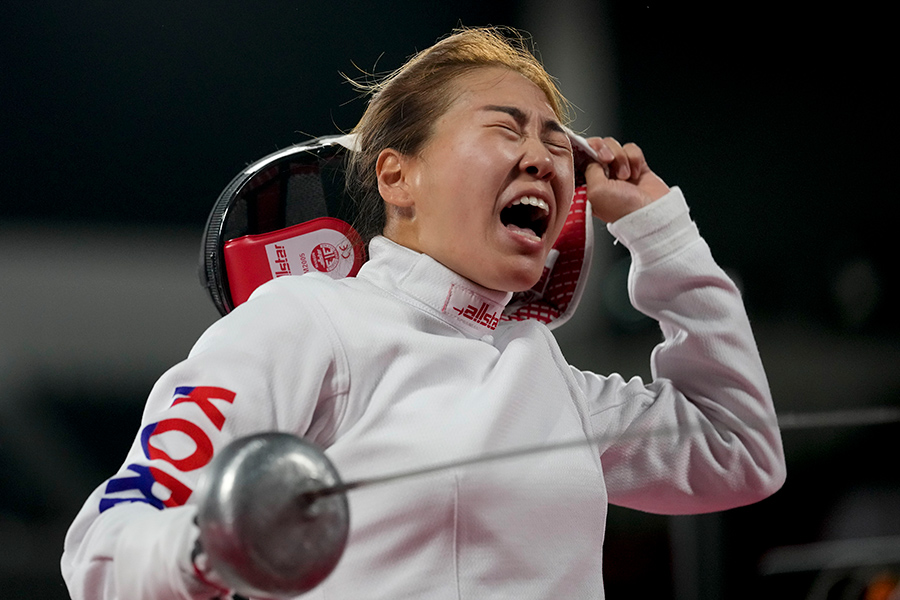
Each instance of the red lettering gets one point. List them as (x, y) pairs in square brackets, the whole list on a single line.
[(479, 315), (203, 446), (179, 493), (201, 396)]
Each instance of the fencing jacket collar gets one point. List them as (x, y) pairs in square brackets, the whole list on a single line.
[(468, 307)]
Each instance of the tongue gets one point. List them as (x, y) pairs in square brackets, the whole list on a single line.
[(525, 232)]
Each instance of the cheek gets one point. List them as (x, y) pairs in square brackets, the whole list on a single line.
[(454, 171), (483, 151), (566, 191), (569, 194), (563, 214)]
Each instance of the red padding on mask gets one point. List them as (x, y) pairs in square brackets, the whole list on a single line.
[(325, 245)]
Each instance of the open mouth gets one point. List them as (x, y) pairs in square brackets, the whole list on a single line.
[(527, 216)]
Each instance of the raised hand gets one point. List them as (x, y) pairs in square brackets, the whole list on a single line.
[(629, 185)]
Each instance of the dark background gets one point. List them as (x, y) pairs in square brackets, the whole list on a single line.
[(775, 119), (120, 120)]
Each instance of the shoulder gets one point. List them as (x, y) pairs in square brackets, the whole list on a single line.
[(295, 295), (279, 311)]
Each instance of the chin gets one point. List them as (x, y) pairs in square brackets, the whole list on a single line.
[(510, 274), (516, 281)]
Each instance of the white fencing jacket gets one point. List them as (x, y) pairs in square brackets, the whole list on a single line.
[(406, 366)]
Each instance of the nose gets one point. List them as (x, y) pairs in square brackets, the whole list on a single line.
[(537, 160)]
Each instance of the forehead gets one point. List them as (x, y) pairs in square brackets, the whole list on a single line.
[(496, 86)]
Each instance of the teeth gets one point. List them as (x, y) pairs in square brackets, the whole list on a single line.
[(532, 201)]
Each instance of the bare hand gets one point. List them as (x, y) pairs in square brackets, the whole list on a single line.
[(630, 184)]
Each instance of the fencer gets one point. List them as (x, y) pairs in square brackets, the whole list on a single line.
[(467, 171)]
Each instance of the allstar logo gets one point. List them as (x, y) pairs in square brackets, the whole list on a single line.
[(471, 306), (479, 315)]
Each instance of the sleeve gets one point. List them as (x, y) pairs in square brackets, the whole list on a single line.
[(269, 365), (703, 435)]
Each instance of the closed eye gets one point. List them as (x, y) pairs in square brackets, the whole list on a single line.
[(506, 127), (559, 145)]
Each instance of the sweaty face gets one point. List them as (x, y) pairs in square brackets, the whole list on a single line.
[(490, 191)]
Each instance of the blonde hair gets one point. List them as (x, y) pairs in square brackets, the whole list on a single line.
[(405, 104)]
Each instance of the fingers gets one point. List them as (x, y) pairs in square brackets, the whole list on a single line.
[(621, 182), (623, 162)]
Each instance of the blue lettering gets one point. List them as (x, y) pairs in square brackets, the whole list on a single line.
[(143, 482)]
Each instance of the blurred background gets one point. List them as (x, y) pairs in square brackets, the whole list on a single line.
[(120, 123)]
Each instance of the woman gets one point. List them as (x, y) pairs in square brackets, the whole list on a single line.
[(386, 371)]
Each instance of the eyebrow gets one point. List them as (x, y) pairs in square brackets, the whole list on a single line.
[(521, 118)]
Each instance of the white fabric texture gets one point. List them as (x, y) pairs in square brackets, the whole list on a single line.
[(401, 367)]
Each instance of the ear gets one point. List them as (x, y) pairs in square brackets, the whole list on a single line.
[(391, 170)]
